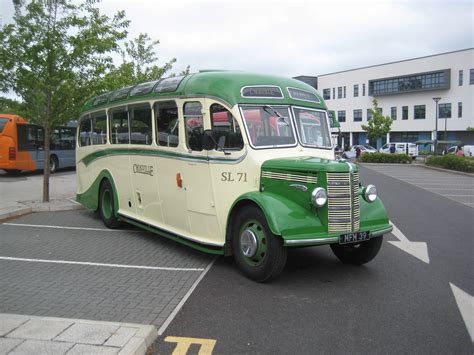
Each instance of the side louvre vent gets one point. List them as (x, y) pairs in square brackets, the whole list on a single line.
[(290, 177), (343, 202)]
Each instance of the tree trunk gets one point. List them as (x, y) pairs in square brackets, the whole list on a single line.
[(46, 164)]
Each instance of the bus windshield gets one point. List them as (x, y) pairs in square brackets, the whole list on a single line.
[(3, 123), (268, 126), (312, 127)]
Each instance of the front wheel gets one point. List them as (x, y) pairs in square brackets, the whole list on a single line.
[(107, 205), (358, 254), (259, 254)]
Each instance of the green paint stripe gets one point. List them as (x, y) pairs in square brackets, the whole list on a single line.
[(156, 153), (201, 247)]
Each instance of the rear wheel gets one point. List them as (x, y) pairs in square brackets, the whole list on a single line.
[(259, 254), (358, 254), (107, 205)]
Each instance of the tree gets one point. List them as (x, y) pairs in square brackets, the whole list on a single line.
[(139, 64), (51, 54), (379, 125)]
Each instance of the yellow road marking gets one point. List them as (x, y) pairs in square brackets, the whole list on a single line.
[(182, 345)]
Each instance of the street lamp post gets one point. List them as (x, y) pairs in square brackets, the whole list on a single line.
[(436, 99)]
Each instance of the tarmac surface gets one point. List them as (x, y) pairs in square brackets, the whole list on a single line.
[(58, 272)]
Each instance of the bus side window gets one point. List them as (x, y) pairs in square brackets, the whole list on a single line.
[(119, 124), (140, 124), (99, 128), (225, 125), (55, 139), (67, 138), (85, 132), (167, 124), (194, 125)]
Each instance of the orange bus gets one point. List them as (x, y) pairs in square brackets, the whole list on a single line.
[(22, 146)]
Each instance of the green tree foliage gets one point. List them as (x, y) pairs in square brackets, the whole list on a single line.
[(379, 125), (139, 64), (50, 55)]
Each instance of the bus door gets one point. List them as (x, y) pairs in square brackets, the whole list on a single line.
[(230, 178), (195, 171), (62, 145)]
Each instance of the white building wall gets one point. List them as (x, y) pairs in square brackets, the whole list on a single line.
[(455, 61)]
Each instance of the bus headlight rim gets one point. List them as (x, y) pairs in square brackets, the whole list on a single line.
[(370, 193), (319, 197)]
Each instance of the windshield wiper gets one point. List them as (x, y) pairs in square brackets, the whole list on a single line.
[(270, 110)]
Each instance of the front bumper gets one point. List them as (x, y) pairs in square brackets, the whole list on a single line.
[(374, 232)]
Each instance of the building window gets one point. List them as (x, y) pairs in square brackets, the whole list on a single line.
[(339, 92), (341, 116), (404, 112), (369, 114), (459, 109), (393, 113), (327, 94), (333, 93), (471, 76), (444, 111), (363, 89), (460, 77), (420, 112), (344, 92), (356, 90), (357, 115), (416, 82)]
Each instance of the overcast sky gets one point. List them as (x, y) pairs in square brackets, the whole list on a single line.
[(295, 38)]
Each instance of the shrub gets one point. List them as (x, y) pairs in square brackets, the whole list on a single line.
[(452, 162), (385, 158)]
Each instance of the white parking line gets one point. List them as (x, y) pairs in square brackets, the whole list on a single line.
[(76, 228), (101, 264)]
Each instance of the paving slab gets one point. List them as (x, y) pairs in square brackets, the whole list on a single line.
[(93, 333), (73, 336), (40, 329), (29, 347), (10, 323), (8, 344), (82, 349)]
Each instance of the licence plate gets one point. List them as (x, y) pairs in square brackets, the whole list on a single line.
[(354, 237)]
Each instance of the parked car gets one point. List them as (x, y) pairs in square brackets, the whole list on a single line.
[(468, 150), (401, 148), (364, 148)]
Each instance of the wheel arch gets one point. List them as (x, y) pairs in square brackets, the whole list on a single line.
[(90, 198)]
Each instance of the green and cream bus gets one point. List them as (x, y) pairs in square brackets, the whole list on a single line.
[(229, 163)]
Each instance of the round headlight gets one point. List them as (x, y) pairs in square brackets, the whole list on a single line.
[(370, 193), (319, 197)]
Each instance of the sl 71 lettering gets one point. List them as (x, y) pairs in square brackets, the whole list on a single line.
[(230, 177)]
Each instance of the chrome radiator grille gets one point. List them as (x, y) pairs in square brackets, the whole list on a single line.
[(343, 202), (290, 177)]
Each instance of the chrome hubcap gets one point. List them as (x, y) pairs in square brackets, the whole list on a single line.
[(248, 243)]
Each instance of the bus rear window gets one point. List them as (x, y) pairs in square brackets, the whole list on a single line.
[(3, 123)]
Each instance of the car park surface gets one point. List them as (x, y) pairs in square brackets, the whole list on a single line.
[(67, 264)]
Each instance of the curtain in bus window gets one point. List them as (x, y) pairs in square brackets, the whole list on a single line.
[(167, 123), (119, 125), (194, 125), (140, 122), (99, 128), (225, 125), (85, 132)]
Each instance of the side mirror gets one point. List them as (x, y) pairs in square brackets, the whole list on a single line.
[(208, 141)]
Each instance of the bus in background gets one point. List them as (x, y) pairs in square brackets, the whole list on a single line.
[(22, 146)]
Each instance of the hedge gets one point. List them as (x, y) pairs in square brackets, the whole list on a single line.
[(452, 162), (385, 158)]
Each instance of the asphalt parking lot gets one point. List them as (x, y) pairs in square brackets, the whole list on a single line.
[(67, 264)]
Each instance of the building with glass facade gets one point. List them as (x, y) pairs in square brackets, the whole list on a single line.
[(405, 91)]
